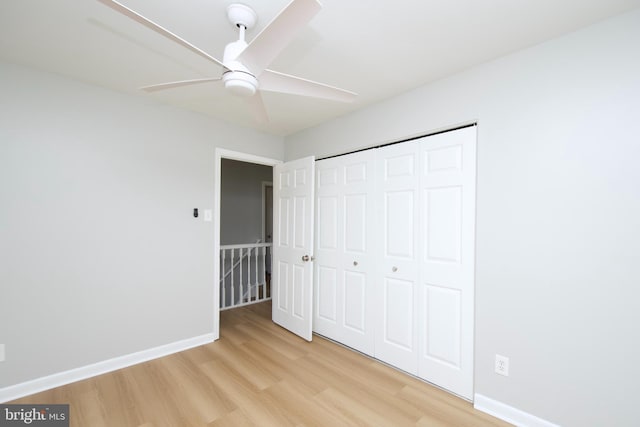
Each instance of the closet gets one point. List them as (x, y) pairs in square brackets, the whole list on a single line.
[(394, 255)]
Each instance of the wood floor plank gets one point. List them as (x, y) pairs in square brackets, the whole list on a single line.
[(236, 418), (259, 374), (301, 410), (244, 395), (350, 411), (252, 369), (195, 388)]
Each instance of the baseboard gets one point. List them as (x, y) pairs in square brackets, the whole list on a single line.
[(62, 378), (508, 413)]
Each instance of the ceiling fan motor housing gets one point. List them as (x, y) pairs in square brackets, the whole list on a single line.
[(238, 80)]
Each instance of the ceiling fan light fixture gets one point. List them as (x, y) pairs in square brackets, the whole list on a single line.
[(243, 61), (240, 83)]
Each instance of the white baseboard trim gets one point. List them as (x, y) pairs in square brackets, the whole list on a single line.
[(62, 378), (508, 413)]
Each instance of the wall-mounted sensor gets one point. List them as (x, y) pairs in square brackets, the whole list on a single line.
[(195, 212)]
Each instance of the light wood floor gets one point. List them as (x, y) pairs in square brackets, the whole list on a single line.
[(259, 374)]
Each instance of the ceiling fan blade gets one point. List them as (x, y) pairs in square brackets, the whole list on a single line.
[(256, 104), (171, 85), (118, 7), (274, 81), (277, 34)]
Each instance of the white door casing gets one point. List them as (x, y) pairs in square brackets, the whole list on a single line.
[(292, 275), (447, 260), (267, 212), (345, 250)]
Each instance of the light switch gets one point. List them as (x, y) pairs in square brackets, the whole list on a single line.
[(208, 215), (1, 352)]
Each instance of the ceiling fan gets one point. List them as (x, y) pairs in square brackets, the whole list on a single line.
[(244, 65)]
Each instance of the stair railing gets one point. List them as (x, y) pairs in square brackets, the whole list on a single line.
[(244, 274)]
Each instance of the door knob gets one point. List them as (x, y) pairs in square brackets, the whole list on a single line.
[(355, 263), (394, 269), (307, 258)]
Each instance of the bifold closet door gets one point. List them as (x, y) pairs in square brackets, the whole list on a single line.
[(345, 250), (447, 259), (397, 279), (395, 255)]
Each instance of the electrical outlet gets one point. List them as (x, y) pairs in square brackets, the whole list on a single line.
[(502, 365), (1, 352)]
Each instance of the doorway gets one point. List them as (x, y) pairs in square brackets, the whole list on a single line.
[(221, 236)]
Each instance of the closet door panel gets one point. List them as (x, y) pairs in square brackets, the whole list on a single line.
[(442, 325), (355, 263), (443, 224), (358, 256), (398, 313), (355, 289), (356, 218), (345, 188), (447, 186), (328, 250), (397, 193), (326, 295)]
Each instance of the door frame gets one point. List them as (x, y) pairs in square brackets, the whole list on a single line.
[(221, 153), (265, 184)]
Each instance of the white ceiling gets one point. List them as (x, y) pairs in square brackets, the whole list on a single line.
[(377, 48)]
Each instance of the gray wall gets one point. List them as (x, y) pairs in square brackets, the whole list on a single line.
[(100, 255), (241, 201), (558, 215)]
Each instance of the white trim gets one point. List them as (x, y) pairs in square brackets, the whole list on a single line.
[(243, 157), (265, 184), (508, 413), (63, 378)]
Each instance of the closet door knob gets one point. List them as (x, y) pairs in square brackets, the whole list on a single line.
[(355, 263), (394, 269)]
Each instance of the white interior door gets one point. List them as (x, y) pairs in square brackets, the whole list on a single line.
[(446, 293), (292, 275), (396, 330), (345, 250)]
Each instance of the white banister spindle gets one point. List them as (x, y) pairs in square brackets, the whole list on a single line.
[(243, 269), (255, 261), (223, 286), (263, 279), (248, 291), (241, 265), (233, 287)]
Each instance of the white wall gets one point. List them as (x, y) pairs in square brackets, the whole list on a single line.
[(100, 255), (558, 215), (241, 201)]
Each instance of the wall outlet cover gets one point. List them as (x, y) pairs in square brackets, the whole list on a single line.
[(502, 365)]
